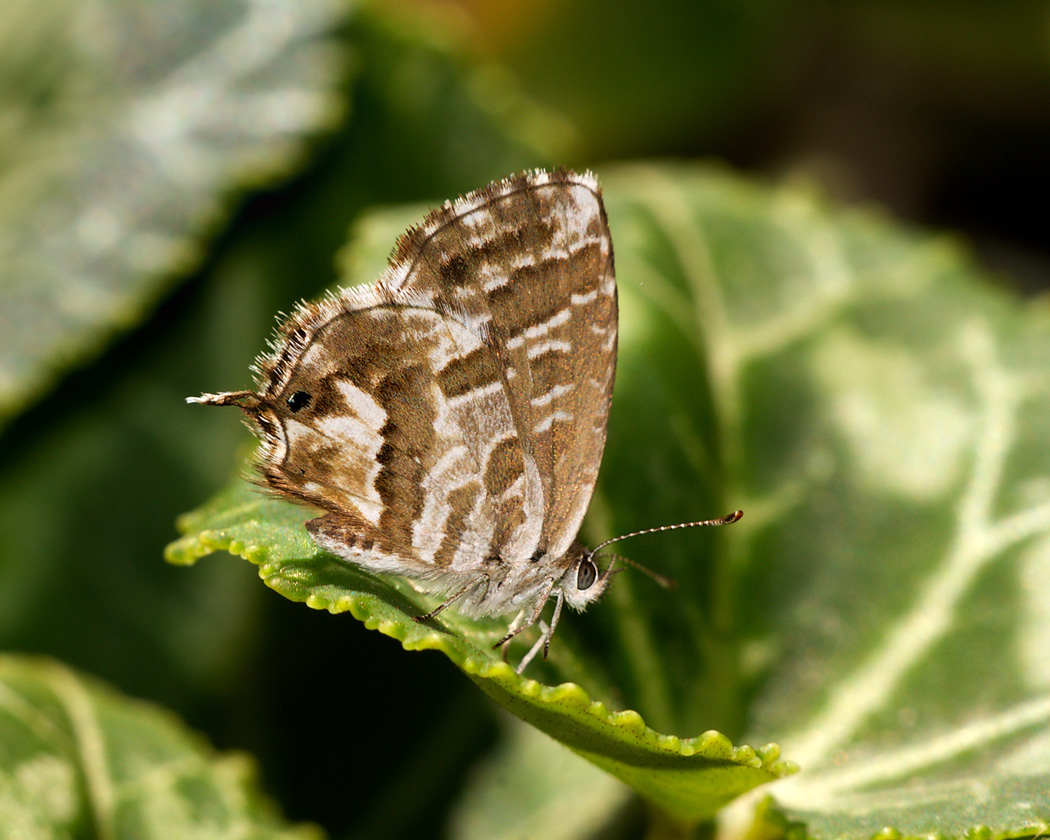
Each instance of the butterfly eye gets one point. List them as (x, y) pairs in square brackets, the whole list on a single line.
[(298, 401), (586, 575)]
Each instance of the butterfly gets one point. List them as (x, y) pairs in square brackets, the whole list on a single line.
[(449, 420)]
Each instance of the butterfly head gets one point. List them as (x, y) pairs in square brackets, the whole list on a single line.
[(583, 583)]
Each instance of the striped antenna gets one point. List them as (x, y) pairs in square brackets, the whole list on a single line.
[(666, 582)]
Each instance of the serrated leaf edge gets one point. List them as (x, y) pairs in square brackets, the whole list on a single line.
[(710, 745)]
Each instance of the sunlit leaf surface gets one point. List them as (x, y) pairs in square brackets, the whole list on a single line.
[(124, 129)]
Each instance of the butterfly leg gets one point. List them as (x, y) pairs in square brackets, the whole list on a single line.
[(554, 623), (455, 596), (512, 631), (528, 657), (544, 640), (536, 613)]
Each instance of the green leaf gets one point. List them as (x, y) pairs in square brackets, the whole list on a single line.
[(124, 129), (690, 777), (77, 759), (877, 408)]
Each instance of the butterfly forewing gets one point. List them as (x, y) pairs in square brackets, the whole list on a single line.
[(580, 411), (375, 432), (531, 263)]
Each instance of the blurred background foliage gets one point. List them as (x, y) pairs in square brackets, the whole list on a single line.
[(936, 110)]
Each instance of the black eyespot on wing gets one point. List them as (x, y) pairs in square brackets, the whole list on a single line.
[(586, 574), (298, 401), (537, 555)]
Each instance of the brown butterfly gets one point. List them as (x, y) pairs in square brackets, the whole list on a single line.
[(449, 420)]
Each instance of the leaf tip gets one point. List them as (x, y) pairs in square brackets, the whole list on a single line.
[(185, 551)]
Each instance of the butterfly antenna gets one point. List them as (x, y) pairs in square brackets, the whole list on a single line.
[(729, 519), (725, 520)]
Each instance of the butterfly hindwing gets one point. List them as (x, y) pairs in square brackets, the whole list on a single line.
[(383, 442)]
